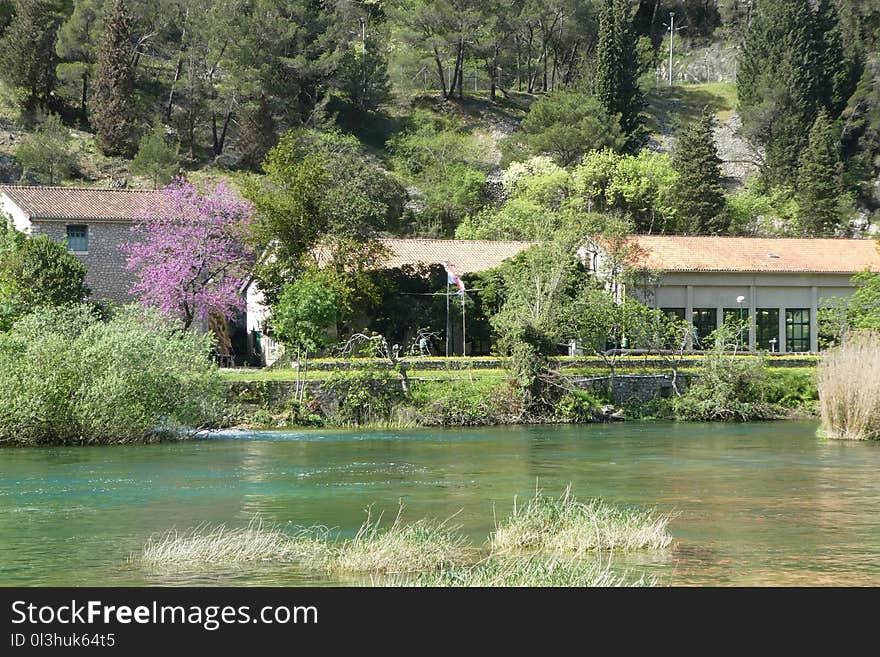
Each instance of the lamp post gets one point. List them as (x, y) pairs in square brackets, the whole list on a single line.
[(740, 300)]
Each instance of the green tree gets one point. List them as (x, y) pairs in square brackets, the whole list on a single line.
[(446, 165), (363, 76), (37, 272), (77, 46), (616, 83), (839, 67), (156, 158), (306, 312), (818, 187), (566, 124), (864, 305), (789, 68), (47, 152), (27, 52), (319, 189), (697, 195), (112, 109)]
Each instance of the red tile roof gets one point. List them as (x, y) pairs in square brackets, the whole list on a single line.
[(81, 202), (465, 255), (757, 254)]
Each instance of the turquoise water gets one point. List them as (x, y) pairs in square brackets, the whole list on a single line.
[(755, 504)]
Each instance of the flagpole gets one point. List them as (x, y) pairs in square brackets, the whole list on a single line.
[(448, 325), (463, 341)]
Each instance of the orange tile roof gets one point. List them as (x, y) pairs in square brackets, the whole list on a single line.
[(757, 254), (81, 202), (465, 255)]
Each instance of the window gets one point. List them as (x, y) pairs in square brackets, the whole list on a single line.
[(705, 322), (673, 313), (732, 317), (767, 329), (78, 238), (797, 329)]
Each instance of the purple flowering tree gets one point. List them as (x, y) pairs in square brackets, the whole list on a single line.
[(191, 258)]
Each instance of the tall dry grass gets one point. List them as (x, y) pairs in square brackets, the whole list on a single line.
[(848, 380), (565, 525), (207, 546), (401, 548)]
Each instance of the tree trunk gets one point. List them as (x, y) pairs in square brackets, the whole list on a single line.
[(84, 96), (439, 62)]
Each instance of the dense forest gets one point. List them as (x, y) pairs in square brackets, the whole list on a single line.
[(494, 119)]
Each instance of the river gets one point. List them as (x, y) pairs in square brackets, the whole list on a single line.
[(754, 504)]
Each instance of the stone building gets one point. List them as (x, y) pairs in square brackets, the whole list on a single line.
[(93, 222), (777, 285)]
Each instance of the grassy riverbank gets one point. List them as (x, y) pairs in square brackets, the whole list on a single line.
[(452, 395)]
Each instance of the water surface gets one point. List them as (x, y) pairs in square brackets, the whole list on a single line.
[(756, 504)]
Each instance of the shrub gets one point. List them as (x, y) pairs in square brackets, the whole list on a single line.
[(465, 403), (726, 389), (364, 396), (67, 377), (849, 388)]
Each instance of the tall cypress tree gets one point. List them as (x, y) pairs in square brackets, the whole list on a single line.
[(818, 184), (111, 107), (616, 83), (27, 51), (777, 83), (839, 68), (698, 197)]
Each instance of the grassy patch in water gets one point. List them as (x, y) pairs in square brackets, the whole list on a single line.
[(401, 548), (529, 571), (207, 546), (565, 525)]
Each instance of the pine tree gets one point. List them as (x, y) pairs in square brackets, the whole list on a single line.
[(111, 107), (818, 185), (698, 197), (156, 158), (777, 83), (839, 68), (27, 51), (616, 83)]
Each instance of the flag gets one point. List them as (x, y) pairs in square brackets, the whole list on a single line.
[(452, 278)]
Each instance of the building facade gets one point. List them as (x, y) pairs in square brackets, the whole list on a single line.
[(93, 223), (776, 285)]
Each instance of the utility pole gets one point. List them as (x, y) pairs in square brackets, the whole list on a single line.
[(671, 40), (364, 59), (672, 31)]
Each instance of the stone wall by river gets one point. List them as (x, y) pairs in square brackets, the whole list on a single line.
[(624, 389)]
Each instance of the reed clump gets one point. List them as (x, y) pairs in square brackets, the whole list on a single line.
[(530, 572), (207, 546), (565, 525), (848, 380), (401, 548)]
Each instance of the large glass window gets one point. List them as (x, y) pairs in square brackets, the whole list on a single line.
[(673, 313), (78, 238), (767, 329), (732, 316), (705, 321), (797, 329)]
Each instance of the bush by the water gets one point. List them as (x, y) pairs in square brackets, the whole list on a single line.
[(728, 388), (849, 388), (69, 377), (565, 525)]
